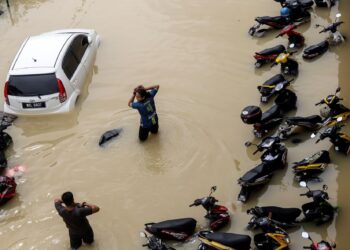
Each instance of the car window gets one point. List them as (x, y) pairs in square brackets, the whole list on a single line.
[(74, 55), (32, 85), (69, 64), (79, 46)]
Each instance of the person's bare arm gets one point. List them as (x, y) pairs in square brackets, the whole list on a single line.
[(93, 207), (152, 87), (132, 98)]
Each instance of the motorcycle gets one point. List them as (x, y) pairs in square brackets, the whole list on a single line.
[(291, 124), (319, 210), (333, 109), (311, 167), (268, 55), (223, 241), (295, 14), (293, 37), (340, 140), (322, 245), (288, 65), (325, 3), (265, 122), (177, 229), (274, 157), (154, 243), (7, 189), (335, 38), (272, 238), (217, 215), (282, 217), (305, 4), (272, 86)]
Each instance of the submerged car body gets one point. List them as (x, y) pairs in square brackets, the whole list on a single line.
[(48, 72)]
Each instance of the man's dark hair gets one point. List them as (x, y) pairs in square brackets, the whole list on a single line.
[(68, 198)]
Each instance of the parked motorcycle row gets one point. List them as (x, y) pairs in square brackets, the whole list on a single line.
[(274, 221), (7, 184)]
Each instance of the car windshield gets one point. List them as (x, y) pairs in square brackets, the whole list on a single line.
[(32, 85)]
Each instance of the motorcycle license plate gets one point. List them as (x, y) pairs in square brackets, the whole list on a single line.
[(33, 105), (264, 99)]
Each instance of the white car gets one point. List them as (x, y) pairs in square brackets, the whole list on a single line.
[(48, 72)]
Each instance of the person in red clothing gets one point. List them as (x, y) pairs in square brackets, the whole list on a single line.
[(74, 215)]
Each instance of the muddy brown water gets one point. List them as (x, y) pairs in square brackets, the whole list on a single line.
[(200, 54)]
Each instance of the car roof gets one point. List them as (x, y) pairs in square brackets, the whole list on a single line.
[(41, 51)]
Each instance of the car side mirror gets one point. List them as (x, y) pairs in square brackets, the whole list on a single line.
[(305, 235), (89, 40)]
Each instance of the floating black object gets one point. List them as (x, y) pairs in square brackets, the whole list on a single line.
[(108, 135)]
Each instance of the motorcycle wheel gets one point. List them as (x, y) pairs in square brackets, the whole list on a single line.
[(202, 246), (258, 64)]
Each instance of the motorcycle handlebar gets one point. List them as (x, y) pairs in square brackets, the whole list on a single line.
[(303, 194), (145, 245), (193, 204), (256, 151), (318, 140)]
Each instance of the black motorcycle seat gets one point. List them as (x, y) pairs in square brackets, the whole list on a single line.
[(180, 225), (281, 214), (265, 19), (237, 241), (256, 172), (308, 119), (273, 112), (275, 80), (273, 50), (300, 3), (317, 47)]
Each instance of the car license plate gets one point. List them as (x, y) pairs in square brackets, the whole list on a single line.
[(33, 105)]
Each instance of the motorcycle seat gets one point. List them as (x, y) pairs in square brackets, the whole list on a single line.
[(277, 19), (237, 241), (255, 173), (281, 214), (180, 225), (273, 50), (273, 112), (308, 119), (317, 47)]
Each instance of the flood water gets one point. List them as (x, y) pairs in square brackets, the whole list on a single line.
[(200, 54)]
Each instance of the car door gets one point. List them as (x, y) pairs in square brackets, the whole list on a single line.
[(72, 64)]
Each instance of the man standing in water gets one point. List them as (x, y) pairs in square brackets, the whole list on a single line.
[(74, 215), (147, 109)]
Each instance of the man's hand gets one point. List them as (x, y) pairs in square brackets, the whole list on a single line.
[(58, 200)]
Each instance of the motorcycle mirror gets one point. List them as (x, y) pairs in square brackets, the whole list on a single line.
[(143, 235), (338, 15), (333, 245), (303, 184), (313, 135), (247, 144), (213, 189), (339, 119), (305, 235), (337, 90), (324, 187)]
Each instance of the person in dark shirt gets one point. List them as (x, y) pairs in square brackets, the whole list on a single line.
[(147, 109), (74, 215)]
